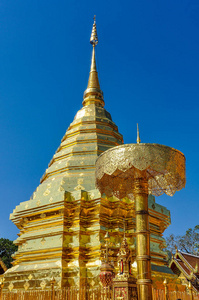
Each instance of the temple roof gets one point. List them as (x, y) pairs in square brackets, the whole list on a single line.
[(186, 264)]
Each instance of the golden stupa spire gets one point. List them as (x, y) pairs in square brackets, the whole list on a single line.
[(93, 93), (138, 135)]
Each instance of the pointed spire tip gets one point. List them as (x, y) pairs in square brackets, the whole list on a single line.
[(93, 93), (94, 37), (138, 135)]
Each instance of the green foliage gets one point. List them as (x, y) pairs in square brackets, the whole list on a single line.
[(7, 248), (189, 242)]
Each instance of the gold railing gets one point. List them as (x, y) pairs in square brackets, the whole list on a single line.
[(85, 293), (60, 294), (174, 295)]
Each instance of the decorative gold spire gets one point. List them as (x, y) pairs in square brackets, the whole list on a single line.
[(93, 93), (138, 135)]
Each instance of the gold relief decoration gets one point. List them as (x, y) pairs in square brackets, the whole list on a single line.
[(59, 284), (49, 185), (38, 202), (35, 267), (26, 285), (79, 186), (43, 241), (34, 195), (62, 182), (61, 189), (42, 216), (43, 284), (97, 238), (30, 277), (84, 148), (11, 286), (80, 180), (47, 192), (92, 283), (92, 195), (26, 206), (111, 252), (51, 200)]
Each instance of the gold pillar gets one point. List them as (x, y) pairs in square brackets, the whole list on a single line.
[(140, 192), (165, 288)]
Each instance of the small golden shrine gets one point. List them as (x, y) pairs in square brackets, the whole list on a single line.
[(124, 284)]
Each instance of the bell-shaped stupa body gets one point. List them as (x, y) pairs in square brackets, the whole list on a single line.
[(63, 224)]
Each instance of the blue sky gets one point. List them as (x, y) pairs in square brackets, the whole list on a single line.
[(148, 65)]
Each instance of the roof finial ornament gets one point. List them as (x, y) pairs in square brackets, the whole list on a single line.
[(94, 38), (138, 135)]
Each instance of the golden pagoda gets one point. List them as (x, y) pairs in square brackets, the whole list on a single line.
[(62, 226)]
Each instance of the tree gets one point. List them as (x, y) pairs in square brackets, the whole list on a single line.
[(7, 248), (189, 242)]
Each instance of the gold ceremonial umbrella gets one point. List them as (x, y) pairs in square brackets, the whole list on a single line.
[(136, 170)]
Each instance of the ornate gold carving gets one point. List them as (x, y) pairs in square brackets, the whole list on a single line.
[(43, 241), (30, 277), (61, 189), (26, 285), (59, 284), (42, 216), (51, 200), (43, 284), (92, 283), (11, 286), (47, 192), (79, 186), (165, 169)]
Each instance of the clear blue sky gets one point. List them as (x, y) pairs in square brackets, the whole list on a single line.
[(148, 64)]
